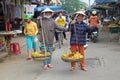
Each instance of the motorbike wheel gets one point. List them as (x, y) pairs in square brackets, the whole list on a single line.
[(94, 39)]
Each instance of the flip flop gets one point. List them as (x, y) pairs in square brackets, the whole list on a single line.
[(84, 69), (28, 58), (72, 68)]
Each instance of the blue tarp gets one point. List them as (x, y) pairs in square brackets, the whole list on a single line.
[(103, 1), (54, 8)]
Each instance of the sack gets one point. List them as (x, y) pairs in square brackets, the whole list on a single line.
[(36, 39)]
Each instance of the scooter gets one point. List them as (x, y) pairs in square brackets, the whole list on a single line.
[(94, 36)]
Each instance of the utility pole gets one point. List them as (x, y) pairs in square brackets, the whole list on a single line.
[(89, 3)]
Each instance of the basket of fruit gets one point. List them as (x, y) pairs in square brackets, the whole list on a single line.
[(40, 56), (70, 57)]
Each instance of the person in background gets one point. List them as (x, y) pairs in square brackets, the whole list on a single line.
[(48, 26), (30, 31), (61, 20), (78, 31), (93, 22)]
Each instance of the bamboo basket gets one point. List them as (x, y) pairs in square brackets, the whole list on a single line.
[(41, 58), (71, 60)]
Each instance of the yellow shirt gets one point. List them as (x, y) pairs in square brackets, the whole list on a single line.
[(61, 21), (30, 29)]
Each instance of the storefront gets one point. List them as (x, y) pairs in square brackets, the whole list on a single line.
[(6, 15)]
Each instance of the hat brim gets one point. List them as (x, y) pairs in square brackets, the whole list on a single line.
[(80, 12), (47, 10)]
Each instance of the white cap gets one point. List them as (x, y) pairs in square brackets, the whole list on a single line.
[(80, 12), (47, 10)]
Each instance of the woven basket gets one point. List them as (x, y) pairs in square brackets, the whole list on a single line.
[(41, 58), (70, 60)]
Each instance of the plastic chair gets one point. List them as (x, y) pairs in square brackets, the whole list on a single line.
[(15, 48)]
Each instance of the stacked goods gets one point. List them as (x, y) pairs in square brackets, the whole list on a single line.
[(112, 24), (41, 54), (113, 27), (71, 57)]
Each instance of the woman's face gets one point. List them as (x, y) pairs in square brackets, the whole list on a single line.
[(29, 20), (80, 17), (47, 13)]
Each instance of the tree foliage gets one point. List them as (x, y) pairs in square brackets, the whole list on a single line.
[(72, 6)]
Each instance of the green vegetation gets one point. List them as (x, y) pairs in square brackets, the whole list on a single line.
[(72, 6)]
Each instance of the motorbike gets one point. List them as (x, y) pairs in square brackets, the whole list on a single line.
[(94, 36)]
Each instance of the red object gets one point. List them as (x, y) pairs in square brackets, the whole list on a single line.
[(15, 48), (8, 26)]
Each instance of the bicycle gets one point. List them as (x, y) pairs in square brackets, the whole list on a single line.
[(60, 38)]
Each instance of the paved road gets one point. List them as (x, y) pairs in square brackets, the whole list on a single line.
[(102, 61)]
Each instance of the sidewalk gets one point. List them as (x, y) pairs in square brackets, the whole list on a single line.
[(20, 39)]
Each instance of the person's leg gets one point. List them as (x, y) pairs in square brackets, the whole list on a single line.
[(73, 50), (50, 49), (56, 36), (34, 44), (64, 35), (82, 62), (88, 35), (45, 61), (29, 46)]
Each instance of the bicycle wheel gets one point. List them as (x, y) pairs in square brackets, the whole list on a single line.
[(60, 39)]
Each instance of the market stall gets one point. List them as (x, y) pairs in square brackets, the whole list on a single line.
[(5, 40), (114, 29)]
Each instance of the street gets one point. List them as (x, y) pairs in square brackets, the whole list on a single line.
[(102, 61)]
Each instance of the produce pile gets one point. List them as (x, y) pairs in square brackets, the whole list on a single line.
[(71, 56), (41, 54), (113, 24)]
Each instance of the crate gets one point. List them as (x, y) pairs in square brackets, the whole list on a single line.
[(114, 30)]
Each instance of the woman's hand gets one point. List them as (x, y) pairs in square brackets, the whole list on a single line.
[(73, 21)]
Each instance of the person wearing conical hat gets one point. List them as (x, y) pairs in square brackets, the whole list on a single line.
[(48, 26), (30, 31), (78, 30)]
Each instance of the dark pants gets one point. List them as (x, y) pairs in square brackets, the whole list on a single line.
[(64, 35), (56, 35)]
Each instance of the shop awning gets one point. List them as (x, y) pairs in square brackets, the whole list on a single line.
[(104, 1), (92, 9), (54, 8), (102, 7)]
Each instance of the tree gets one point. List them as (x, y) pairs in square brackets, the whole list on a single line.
[(72, 6)]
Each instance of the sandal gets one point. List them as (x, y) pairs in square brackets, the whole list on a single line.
[(72, 68), (28, 58), (84, 69), (45, 67), (50, 65)]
